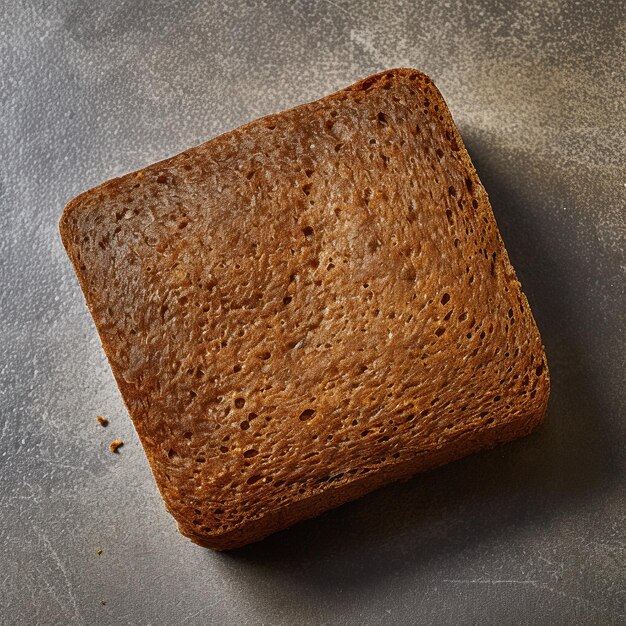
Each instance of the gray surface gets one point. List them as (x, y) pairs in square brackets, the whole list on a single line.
[(532, 532)]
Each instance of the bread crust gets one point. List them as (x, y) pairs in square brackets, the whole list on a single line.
[(308, 307)]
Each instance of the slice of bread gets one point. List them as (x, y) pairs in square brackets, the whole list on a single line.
[(308, 307)]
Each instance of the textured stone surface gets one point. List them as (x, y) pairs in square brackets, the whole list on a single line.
[(532, 532)]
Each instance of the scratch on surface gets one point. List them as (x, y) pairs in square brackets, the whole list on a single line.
[(68, 583), (338, 6), (202, 610), (126, 619), (33, 495), (558, 567), (489, 581), (532, 583), (5, 427), (50, 590), (60, 464), (32, 586)]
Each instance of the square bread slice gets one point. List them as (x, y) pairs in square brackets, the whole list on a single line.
[(308, 307)]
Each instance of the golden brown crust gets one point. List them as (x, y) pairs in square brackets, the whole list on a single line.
[(308, 307)]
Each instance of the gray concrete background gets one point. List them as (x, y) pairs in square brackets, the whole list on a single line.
[(532, 532)]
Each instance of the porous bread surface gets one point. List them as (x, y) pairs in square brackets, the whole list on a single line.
[(308, 307)]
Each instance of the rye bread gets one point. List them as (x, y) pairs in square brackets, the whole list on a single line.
[(308, 307)]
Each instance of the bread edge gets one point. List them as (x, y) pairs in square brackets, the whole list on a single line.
[(312, 506)]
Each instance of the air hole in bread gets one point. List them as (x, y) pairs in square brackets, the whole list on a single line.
[(307, 414)]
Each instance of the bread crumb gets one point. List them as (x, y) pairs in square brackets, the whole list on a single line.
[(102, 421), (98, 552), (115, 445)]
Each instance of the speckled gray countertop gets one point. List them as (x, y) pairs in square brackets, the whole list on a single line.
[(532, 532)]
